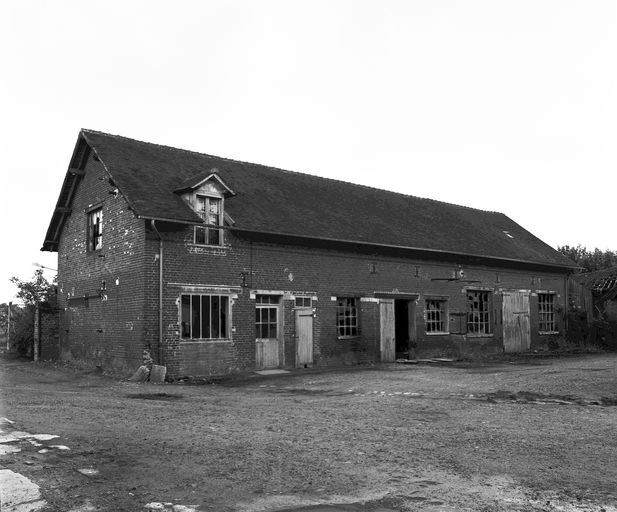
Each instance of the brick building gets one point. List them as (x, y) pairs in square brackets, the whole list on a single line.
[(219, 266)]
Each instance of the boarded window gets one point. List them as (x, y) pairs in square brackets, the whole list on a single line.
[(347, 316), (546, 312), (95, 229), (266, 316), (458, 322), (478, 312), (205, 316), (210, 209), (436, 316)]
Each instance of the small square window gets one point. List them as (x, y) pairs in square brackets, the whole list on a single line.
[(304, 302)]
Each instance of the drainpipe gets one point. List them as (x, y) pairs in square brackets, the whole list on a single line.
[(160, 344), (566, 302)]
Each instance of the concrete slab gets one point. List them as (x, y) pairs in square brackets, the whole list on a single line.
[(271, 372), (19, 494)]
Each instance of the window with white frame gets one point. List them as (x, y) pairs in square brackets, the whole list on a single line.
[(347, 316), (478, 312), (546, 312), (436, 316), (210, 209), (266, 316), (95, 229), (205, 316)]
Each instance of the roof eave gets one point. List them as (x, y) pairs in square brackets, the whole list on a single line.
[(423, 250)]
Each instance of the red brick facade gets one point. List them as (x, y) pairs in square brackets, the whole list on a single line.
[(109, 297)]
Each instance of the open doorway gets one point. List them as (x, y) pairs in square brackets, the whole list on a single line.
[(403, 327)]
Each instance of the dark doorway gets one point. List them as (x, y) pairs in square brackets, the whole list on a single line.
[(402, 327)]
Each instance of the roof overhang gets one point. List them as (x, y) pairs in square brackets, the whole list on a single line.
[(403, 251), (72, 178)]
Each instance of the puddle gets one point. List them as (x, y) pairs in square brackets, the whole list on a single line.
[(169, 507), (348, 507), (155, 396), (88, 471), (540, 398)]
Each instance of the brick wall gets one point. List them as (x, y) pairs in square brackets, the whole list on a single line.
[(110, 327), (101, 327), (326, 274)]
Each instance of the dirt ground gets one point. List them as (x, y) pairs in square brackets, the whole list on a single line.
[(534, 433)]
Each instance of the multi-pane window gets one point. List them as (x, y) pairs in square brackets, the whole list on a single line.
[(546, 312), (210, 209), (478, 312), (436, 316), (304, 302), (266, 316), (205, 316), (347, 316), (95, 229)]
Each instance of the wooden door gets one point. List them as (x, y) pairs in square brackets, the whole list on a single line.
[(267, 354), (267, 332), (387, 331), (304, 337), (515, 319)]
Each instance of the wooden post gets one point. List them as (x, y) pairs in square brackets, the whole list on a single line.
[(37, 331), (8, 328)]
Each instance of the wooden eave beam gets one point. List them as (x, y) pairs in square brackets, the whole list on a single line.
[(77, 172)]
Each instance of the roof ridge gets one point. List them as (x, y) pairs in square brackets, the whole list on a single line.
[(279, 169)]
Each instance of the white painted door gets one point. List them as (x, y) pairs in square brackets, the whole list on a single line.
[(386, 330), (516, 325), (304, 337)]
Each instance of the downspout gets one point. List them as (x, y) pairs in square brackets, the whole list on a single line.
[(566, 303), (160, 344)]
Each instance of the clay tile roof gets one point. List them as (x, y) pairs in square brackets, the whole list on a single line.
[(278, 201), (602, 283)]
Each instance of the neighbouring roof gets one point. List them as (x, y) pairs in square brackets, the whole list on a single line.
[(602, 283), (276, 201)]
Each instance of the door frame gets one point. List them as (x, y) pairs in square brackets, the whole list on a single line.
[(259, 342)]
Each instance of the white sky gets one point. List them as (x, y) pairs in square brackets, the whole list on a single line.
[(500, 105)]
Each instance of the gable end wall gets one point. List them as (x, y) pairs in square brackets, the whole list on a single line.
[(106, 329)]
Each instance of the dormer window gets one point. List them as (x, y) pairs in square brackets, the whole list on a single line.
[(205, 193), (210, 209)]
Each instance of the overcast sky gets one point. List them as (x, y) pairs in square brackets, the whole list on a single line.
[(501, 105)]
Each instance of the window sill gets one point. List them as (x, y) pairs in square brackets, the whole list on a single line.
[(440, 333), (544, 333), (204, 340), (355, 336), (216, 250), (211, 246)]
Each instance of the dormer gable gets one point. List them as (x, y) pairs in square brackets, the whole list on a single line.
[(207, 180), (206, 194)]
